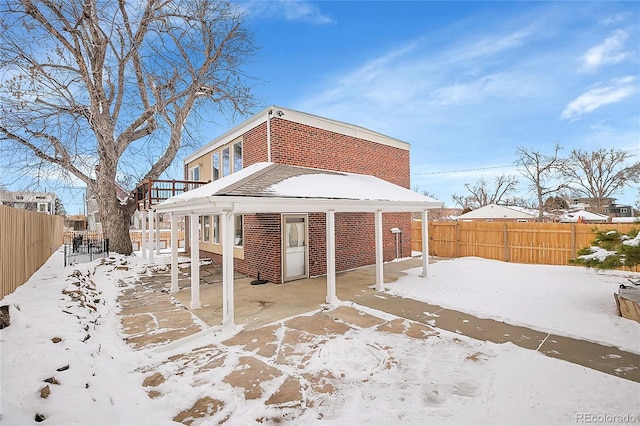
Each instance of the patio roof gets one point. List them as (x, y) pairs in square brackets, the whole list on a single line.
[(274, 188), (279, 188)]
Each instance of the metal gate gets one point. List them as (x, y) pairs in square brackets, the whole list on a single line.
[(84, 246)]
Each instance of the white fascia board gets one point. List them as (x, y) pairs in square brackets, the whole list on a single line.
[(251, 205), (341, 128)]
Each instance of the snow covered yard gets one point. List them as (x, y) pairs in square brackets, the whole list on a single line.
[(64, 358)]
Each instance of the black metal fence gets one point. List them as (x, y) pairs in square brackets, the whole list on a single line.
[(84, 246)]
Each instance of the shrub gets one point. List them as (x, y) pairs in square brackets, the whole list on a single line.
[(610, 249)]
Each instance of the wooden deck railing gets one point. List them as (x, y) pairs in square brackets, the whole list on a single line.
[(153, 191)]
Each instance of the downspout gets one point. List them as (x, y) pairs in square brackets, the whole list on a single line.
[(269, 135)]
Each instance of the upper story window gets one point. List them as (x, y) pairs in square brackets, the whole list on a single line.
[(237, 156), (226, 162), (226, 159), (215, 162), (194, 174)]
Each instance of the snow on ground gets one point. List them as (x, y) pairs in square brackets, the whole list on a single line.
[(379, 377), (568, 300)]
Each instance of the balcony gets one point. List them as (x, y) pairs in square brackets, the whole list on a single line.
[(150, 192)]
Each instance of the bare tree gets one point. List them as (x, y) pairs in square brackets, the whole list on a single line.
[(105, 90), (481, 194), (600, 174), (540, 169)]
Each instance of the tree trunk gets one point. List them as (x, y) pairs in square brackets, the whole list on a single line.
[(115, 218)]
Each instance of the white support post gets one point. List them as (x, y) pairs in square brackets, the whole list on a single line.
[(425, 242), (151, 235), (195, 263), (174, 253), (143, 235), (227, 227), (158, 234), (331, 257), (379, 252)]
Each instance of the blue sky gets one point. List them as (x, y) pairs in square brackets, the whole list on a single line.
[(465, 83)]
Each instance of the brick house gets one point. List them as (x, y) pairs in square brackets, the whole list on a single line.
[(289, 137), (292, 195)]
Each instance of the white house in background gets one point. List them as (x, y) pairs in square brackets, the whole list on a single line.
[(43, 202), (498, 213), (583, 216)]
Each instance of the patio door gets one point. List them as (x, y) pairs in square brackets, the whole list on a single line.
[(294, 247)]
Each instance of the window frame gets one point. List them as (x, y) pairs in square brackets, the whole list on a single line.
[(221, 166)]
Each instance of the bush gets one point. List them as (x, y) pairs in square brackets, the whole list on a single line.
[(610, 249)]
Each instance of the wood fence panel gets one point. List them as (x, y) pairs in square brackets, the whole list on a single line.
[(442, 239), (535, 243), (27, 240)]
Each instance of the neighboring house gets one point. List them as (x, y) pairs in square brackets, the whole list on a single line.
[(619, 210), (589, 204), (284, 137), (583, 216), (43, 202), (499, 213), (77, 222)]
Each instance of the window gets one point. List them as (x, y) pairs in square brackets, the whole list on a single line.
[(237, 230), (237, 236), (194, 174), (523, 221), (206, 220), (226, 164), (19, 197), (43, 207), (623, 210), (226, 159), (237, 156), (216, 229), (215, 161)]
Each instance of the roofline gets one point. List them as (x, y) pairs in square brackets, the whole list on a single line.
[(297, 117), (252, 205)]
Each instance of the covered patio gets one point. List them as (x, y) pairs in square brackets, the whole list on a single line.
[(283, 189)]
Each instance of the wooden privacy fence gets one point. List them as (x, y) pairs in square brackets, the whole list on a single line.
[(537, 243), (27, 240)]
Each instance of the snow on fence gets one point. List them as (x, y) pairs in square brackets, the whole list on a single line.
[(534, 243), (27, 239)]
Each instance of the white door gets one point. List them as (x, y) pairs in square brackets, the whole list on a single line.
[(294, 247)]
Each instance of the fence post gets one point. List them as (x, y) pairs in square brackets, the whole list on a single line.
[(506, 243), (457, 247), (573, 240)]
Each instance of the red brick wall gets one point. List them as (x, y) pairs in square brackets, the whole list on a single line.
[(254, 145), (355, 240), (301, 145), (262, 247)]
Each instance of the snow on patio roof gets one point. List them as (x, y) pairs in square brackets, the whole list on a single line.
[(270, 187)]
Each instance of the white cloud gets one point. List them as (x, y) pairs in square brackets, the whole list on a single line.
[(290, 10), (610, 51), (597, 96), (615, 19), (491, 46)]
